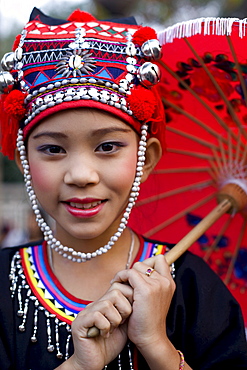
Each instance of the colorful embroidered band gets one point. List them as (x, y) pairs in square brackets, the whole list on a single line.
[(81, 62), (181, 364)]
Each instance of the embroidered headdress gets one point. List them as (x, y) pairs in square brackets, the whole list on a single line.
[(81, 62)]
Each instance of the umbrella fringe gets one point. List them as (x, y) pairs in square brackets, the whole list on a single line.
[(203, 25)]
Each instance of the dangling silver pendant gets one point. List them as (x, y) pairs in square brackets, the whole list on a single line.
[(148, 74), (152, 49), (7, 82), (8, 61)]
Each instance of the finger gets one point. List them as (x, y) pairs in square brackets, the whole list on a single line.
[(144, 269), (140, 271), (84, 322), (119, 296), (159, 264), (131, 276), (107, 313), (125, 289)]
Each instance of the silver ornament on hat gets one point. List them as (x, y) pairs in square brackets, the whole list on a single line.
[(148, 74), (7, 82), (8, 61), (152, 49), (131, 49), (76, 63), (18, 54)]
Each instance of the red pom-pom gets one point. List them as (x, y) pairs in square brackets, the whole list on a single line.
[(8, 130), (143, 103), (16, 42), (80, 16), (14, 104), (144, 34)]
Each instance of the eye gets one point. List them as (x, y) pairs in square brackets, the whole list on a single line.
[(109, 147), (51, 149)]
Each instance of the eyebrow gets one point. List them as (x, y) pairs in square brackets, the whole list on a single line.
[(109, 130), (55, 135), (100, 131)]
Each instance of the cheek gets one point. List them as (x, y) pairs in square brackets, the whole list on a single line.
[(41, 180), (125, 174)]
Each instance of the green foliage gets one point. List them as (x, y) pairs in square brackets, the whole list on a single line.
[(10, 171)]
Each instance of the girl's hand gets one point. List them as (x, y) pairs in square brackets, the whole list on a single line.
[(151, 300), (108, 314)]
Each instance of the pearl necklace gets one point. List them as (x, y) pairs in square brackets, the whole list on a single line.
[(65, 251), (129, 259)]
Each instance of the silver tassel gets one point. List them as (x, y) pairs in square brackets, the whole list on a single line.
[(25, 311), (35, 322), (67, 342), (130, 357), (50, 346), (119, 362), (59, 353)]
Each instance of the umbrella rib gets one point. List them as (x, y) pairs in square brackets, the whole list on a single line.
[(179, 215), (215, 170), (188, 152), (169, 193), (217, 159), (239, 72), (188, 88), (230, 154), (217, 239), (223, 156), (192, 118), (181, 170), (217, 87), (238, 148), (235, 255), (212, 174), (192, 137), (243, 160)]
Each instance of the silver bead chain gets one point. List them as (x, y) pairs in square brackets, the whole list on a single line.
[(65, 251)]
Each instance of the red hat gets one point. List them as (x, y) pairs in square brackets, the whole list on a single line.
[(81, 62)]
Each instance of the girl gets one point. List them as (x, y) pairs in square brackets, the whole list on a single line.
[(81, 94)]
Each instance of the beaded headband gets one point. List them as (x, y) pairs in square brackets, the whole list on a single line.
[(81, 62)]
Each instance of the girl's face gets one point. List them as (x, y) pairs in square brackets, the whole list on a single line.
[(83, 164)]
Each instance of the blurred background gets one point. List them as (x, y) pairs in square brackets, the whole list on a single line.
[(15, 218)]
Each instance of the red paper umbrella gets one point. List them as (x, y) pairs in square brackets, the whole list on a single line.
[(203, 175)]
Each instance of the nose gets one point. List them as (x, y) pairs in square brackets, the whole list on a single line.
[(81, 171)]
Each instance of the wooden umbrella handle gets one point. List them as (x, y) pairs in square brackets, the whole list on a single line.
[(197, 231), (231, 196), (186, 242)]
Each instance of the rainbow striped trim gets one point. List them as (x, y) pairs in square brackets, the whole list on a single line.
[(47, 289)]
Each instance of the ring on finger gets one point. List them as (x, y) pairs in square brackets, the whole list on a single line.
[(149, 271)]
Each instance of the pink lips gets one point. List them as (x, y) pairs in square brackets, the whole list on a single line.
[(84, 208)]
